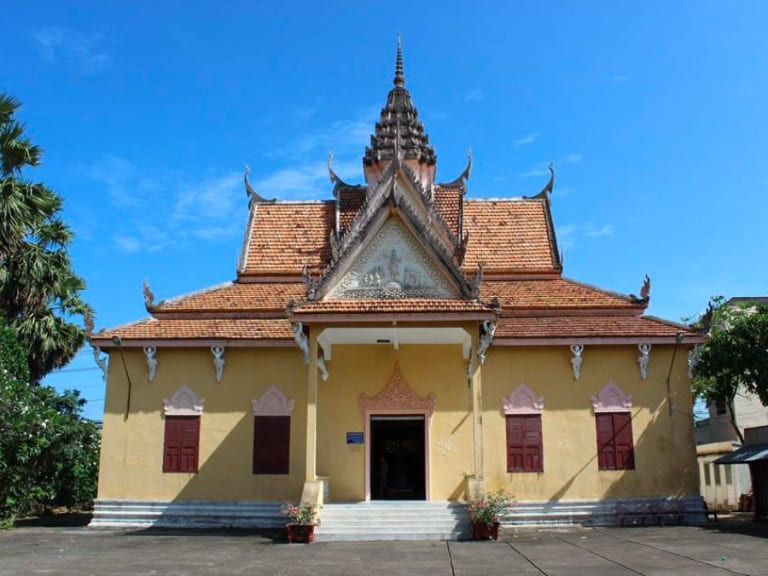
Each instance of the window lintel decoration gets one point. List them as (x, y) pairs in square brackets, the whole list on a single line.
[(523, 400), (272, 403), (612, 399), (184, 402)]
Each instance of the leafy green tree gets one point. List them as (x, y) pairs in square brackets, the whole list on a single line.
[(40, 295), (48, 453), (735, 357)]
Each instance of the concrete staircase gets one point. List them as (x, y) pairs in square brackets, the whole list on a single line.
[(393, 520)]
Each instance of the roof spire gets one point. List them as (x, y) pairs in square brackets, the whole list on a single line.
[(399, 77)]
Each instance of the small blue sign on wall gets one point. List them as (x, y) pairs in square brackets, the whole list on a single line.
[(354, 437)]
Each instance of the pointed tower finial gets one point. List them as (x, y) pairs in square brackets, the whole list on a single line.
[(399, 77)]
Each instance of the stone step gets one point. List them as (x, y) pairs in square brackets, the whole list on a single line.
[(400, 520)]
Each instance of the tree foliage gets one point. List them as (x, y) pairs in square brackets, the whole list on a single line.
[(48, 453), (735, 357), (39, 291)]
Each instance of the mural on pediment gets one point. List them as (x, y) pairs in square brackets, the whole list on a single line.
[(393, 265)]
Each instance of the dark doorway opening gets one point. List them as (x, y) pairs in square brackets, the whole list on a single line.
[(397, 458)]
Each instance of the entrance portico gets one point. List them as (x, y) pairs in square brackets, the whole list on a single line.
[(392, 404)]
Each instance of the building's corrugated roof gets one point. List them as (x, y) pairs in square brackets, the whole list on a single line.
[(745, 455)]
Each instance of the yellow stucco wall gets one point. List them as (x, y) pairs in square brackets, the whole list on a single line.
[(131, 461), (132, 448), (665, 462)]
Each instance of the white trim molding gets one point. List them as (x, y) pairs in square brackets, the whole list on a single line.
[(523, 400), (184, 402), (218, 361), (273, 402), (644, 359), (149, 352), (611, 399), (576, 359)]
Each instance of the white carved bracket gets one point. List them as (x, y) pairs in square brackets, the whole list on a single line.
[(272, 403), (321, 367), (486, 337), (218, 361), (611, 399), (576, 359), (184, 402), (101, 361), (523, 400), (644, 359), (301, 339), (149, 352)]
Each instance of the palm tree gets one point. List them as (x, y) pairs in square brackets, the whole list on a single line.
[(39, 292)]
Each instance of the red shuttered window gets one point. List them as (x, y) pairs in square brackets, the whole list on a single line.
[(181, 445), (615, 448), (271, 444), (524, 446)]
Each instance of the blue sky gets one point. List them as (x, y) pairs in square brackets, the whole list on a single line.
[(654, 114)]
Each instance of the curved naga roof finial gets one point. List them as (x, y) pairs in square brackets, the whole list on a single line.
[(547, 190), (253, 196), (399, 76), (461, 181), (645, 292)]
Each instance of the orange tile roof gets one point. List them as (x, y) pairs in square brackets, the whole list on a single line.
[(448, 202), (287, 236), (552, 293), (408, 305), (508, 236), (237, 297), (199, 329), (350, 201), (505, 235), (587, 327)]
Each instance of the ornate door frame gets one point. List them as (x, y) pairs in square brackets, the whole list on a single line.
[(396, 398)]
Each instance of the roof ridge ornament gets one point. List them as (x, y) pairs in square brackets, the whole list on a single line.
[(461, 181), (645, 292), (253, 196), (546, 192), (149, 296)]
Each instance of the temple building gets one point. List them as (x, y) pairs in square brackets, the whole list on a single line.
[(400, 342)]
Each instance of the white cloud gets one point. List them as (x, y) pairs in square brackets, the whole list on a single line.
[(573, 158), (535, 172), (119, 177), (529, 138), (595, 232), (127, 244), (619, 78), (474, 95), (64, 46), (568, 235)]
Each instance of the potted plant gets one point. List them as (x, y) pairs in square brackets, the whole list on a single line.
[(485, 514), (303, 518)]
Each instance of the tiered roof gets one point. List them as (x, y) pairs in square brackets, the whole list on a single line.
[(497, 258)]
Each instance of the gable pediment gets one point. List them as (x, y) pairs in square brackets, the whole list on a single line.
[(394, 264)]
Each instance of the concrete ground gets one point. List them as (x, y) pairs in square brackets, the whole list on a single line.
[(718, 549)]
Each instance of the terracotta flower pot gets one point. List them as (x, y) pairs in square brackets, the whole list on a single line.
[(485, 531), (301, 533)]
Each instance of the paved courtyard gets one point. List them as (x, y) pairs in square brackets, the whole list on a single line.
[(714, 550)]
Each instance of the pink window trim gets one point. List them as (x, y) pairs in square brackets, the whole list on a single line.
[(611, 399), (523, 400)]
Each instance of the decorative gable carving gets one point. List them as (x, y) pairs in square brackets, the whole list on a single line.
[(612, 399), (393, 265), (523, 400), (184, 402), (272, 403), (397, 395)]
